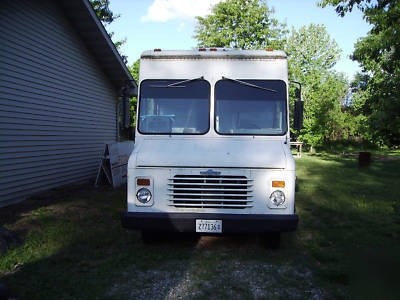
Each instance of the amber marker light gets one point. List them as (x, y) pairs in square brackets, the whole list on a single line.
[(279, 184), (143, 181)]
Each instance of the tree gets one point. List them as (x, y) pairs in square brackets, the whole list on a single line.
[(311, 50), (358, 107), (248, 24), (103, 11), (312, 53), (106, 16), (134, 69), (245, 24), (379, 55)]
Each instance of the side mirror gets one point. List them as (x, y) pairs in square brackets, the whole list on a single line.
[(297, 93), (298, 107), (298, 115)]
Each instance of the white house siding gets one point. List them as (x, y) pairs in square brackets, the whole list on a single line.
[(57, 107)]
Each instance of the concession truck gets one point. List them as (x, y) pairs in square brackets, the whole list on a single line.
[(212, 144)]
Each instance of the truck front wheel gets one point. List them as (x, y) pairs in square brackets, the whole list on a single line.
[(271, 240), (151, 237)]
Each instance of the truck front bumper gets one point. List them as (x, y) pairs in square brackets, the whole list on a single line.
[(231, 223)]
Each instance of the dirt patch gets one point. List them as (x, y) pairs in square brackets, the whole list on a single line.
[(384, 158), (190, 279), (374, 157), (210, 243), (56, 201)]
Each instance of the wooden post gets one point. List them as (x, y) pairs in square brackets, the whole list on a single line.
[(299, 147)]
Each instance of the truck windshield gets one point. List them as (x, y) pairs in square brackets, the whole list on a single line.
[(174, 106), (250, 107)]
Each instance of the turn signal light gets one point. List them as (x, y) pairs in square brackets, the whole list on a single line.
[(280, 184), (269, 49), (143, 181)]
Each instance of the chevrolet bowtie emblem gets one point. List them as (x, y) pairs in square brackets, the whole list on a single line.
[(210, 172)]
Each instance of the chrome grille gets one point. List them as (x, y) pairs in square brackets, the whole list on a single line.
[(210, 191)]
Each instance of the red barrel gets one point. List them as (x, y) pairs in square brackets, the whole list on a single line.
[(364, 159)]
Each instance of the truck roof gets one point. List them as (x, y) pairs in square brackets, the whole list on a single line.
[(214, 53)]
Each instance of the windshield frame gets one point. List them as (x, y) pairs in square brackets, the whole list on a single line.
[(172, 133), (285, 119)]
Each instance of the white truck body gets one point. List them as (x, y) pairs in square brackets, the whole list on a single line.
[(216, 175)]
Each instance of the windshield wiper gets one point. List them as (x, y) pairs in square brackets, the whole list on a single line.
[(249, 84), (174, 85)]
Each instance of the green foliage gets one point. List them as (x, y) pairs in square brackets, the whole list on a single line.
[(344, 6), (103, 11), (379, 55), (311, 55), (118, 45), (358, 109), (311, 49), (106, 16), (245, 24), (134, 70), (323, 117)]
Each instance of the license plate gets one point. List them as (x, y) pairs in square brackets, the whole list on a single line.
[(214, 226)]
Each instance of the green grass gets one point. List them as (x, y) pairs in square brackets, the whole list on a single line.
[(347, 245)]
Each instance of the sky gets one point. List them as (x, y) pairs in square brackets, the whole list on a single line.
[(170, 24)]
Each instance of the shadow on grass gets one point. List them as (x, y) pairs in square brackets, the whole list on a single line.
[(75, 247), (13, 213), (349, 222), (347, 242)]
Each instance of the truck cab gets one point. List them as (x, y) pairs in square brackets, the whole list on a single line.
[(212, 144)]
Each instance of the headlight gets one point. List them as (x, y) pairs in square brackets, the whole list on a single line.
[(277, 198), (143, 195)]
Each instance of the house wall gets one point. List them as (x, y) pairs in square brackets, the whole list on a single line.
[(57, 107)]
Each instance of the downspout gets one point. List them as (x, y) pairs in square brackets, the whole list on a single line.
[(125, 92)]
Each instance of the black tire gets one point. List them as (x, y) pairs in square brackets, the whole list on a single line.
[(271, 240), (157, 237), (151, 237), (4, 292)]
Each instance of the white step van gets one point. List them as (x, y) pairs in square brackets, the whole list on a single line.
[(212, 153)]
